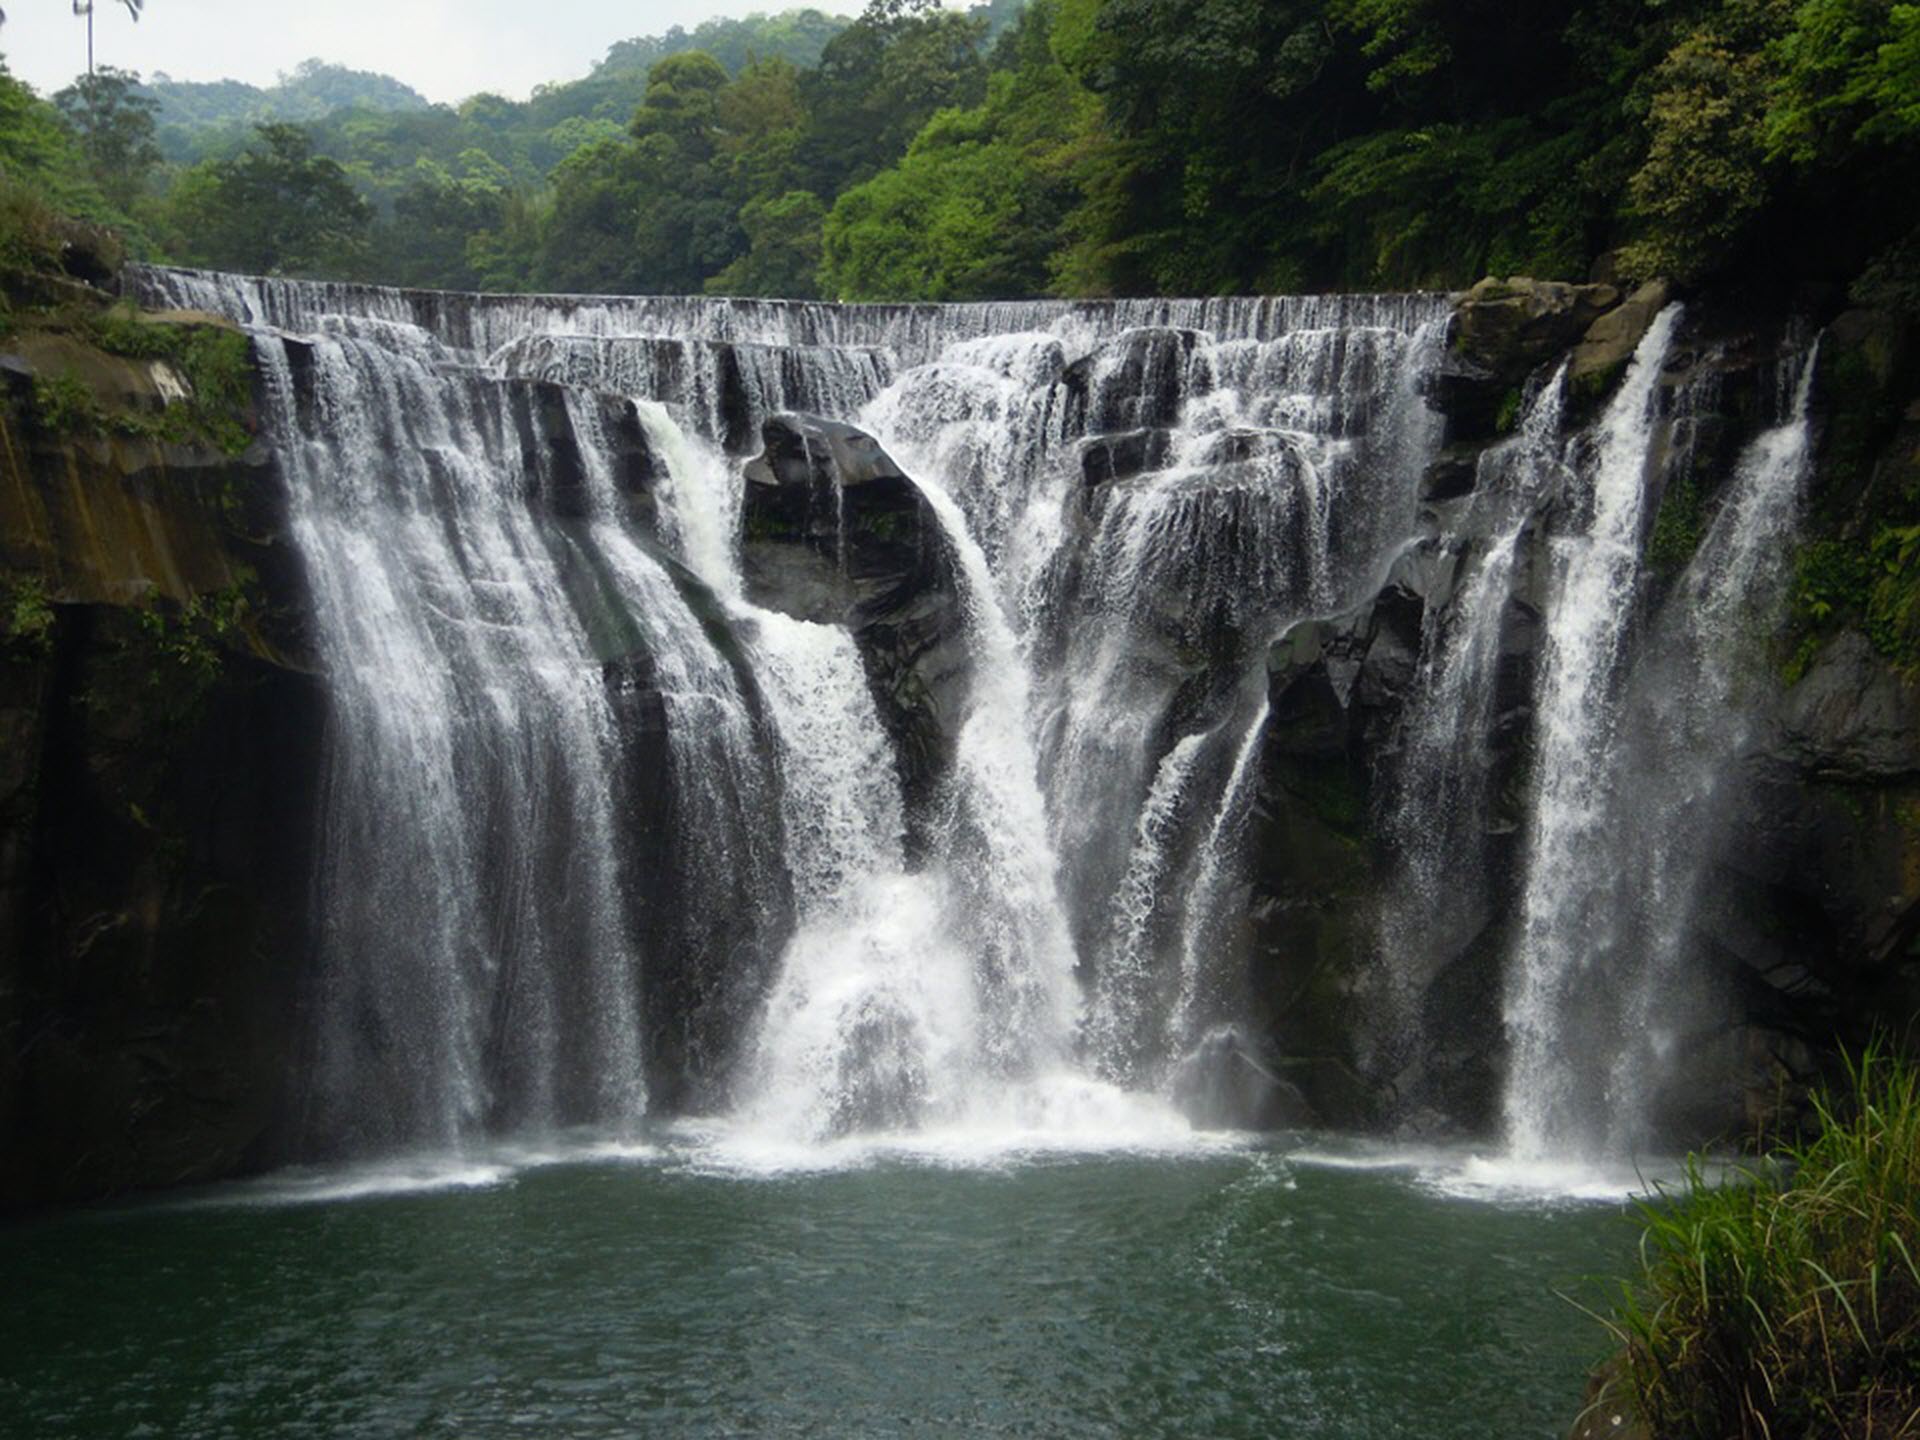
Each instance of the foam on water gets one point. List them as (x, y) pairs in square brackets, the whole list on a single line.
[(1047, 1118), (1495, 1179)]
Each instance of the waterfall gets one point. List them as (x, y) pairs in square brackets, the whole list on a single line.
[(1635, 756), (1691, 712), (1598, 564), (471, 973), (1437, 809), (606, 840), (1118, 1029), (1198, 999), (664, 820)]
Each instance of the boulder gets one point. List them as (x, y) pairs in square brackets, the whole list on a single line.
[(1509, 327), (1503, 331), (1107, 458), (1611, 340), (1135, 380), (1852, 717)]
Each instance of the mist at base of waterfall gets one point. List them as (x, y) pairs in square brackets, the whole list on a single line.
[(625, 1286)]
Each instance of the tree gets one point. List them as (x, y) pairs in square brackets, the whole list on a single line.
[(1703, 179), (114, 123), (760, 120), (436, 217), (683, 227), (41, 160), (796, 36), (783, 249), (1848, 72), (274, 209), (879, 81), (586, 241), (85, 7), (979, 206)]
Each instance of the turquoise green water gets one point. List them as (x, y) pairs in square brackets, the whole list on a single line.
[(1234, 1294)]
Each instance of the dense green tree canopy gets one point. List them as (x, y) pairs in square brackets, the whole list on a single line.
[(1077, 147), (274, 209), (977, 206)]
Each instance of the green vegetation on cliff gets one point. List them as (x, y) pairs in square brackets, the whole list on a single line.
[(1787, 1301)]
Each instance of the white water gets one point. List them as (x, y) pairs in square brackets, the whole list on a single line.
[(943, 995), (1691, 717), (1635, 769), (1598, 566), (466, 700), (1437, 813), (1120, 1028), (1200, 999)]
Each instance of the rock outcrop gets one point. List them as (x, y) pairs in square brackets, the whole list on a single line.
[(837, 534)]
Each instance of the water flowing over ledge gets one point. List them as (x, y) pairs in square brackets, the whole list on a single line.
[(975, 785)]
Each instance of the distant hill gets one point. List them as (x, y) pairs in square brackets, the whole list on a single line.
[(194, 112), (313, 89), (795, 35)]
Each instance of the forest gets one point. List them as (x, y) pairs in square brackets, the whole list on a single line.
[(1060, 147)]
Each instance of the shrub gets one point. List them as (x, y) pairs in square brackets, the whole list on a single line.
[(1785, 1300), (26, 617), (64, 404)]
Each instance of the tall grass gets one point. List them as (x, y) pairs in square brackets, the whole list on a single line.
[(1784, 1301)]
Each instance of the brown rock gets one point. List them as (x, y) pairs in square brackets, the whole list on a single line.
[(1508, 327), (1611, 340)]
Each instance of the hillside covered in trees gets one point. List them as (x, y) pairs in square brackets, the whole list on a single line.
[(1077, 147)]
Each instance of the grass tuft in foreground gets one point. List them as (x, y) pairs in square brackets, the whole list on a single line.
[(1785, 1301)]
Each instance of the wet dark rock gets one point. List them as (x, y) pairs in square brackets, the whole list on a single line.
[(160, 754), (1867, 391), (1244, 446), (1121, 457), (1450, 477), (1412, 1040), (1852, 717), (154, 864), (1137, 380), (1503, 332), (1613, 337), (1232, 1081), (551, 454), (702, 975), (1335, 688), (837, 534)]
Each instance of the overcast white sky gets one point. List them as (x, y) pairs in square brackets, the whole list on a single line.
[(446, 49)]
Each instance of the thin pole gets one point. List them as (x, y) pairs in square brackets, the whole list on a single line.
[(89, 40)]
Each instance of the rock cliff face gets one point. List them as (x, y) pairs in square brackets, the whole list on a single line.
[(157, 778), (1812, 915), (164, 728)]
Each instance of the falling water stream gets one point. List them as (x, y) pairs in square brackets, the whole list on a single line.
[(1037, 971)]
